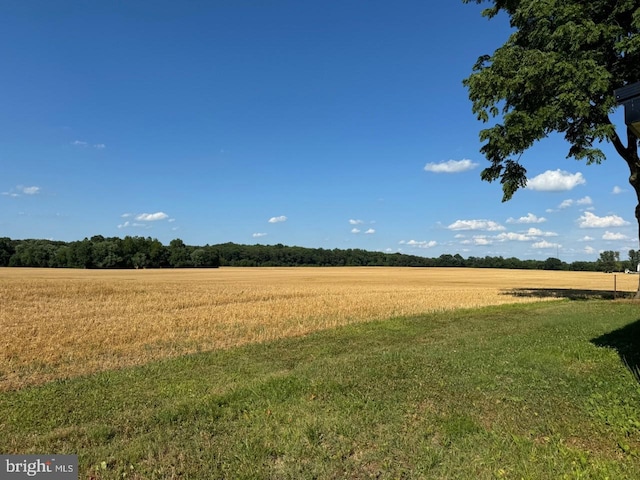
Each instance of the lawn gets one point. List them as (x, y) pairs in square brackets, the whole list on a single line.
[(542, 390)]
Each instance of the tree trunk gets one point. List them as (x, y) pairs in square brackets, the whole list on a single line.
[(637, 295), (634, 180), (630, 155)]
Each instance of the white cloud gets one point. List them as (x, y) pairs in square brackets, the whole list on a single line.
[(476, 225), (481, 240), (126, 215), (258, 235), (566, 204), (451, 166), (586, 238), (420, 244), (128, 224), (279, 219), (585, 201), (371, 231), (555, 181), (152, 217), (536, 232), (530, 218), (589, 250), (355, 230), (30, 190), (508, 236), (80, 143), (355, 222), (589, 220), (545, 244), (22, 190), (529, 235), (613, 236), (617, 190)]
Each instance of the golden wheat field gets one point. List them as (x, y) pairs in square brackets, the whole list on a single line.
[(63, 323)]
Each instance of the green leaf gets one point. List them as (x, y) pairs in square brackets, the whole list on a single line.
[(556, 73)]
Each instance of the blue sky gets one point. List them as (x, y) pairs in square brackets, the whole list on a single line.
[(334, 124)]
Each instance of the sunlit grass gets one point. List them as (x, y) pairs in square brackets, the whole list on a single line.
[(516, 391), (63, 323)]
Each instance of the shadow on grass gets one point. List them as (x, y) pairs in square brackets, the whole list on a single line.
[(626, 341), (570, 293)]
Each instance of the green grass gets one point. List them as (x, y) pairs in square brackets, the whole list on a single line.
[(534, 391)]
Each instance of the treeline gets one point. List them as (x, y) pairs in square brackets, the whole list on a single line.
[(146, 252), (101, 252)]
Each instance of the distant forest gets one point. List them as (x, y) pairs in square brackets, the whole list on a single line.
[(145, 252)]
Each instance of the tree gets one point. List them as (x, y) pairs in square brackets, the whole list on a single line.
[(82, 253), (634, 260), (608, 261), (139, 260), (34, 253), (158, 254), (581, 266), (557, 73), (106, 252), (553, 263), (199, 257), (179, 256), (6, 250)]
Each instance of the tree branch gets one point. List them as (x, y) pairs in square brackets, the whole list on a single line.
[(617, 143)]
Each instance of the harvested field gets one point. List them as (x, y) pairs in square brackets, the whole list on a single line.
[(63, 323)]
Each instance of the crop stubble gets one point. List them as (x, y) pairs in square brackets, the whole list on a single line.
[(63, 323)]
